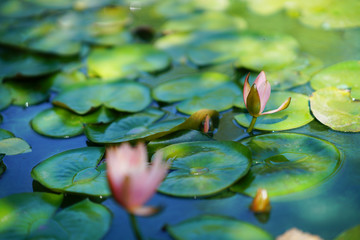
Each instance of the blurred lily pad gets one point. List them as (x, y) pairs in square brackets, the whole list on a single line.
[(216, 227), (84, 220), (189, 86), (121, 96), (6, 98), (285, 163), (344, 75), (126, 61), (350, 234), (11, 145), (336, 109), (78, 171), (63, 80), (296, 115), (203, 168), (61, 123)]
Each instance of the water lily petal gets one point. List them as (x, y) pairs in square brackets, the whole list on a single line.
[(282, 107), (264, 93), (247, 88), (260, 79), (145, 211)]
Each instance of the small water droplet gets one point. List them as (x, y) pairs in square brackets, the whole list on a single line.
[(198, 170), (135, 6), (27, 104), (101, 197)]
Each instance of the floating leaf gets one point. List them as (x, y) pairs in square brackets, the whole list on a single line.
[(77, 171), (63, 80), (344, 75), (189, 86), (336, 109), (35, 216), (220, 99), (296, 115), (6, 98), (122, 96), (216, 227), (59, 122), (350, 234), (126, 61), (203, 168), (285, 163), (11, 145)]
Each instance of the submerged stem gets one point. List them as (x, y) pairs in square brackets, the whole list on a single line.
[(250, 128), (135, 227)]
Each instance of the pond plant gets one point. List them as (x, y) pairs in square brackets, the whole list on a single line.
[(125, 119)]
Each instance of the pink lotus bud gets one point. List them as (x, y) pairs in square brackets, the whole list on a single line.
[(261, 202), (256, 96), (131, 180)]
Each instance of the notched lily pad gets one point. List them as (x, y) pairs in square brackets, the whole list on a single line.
[(336, 109), (122, 96), (61, 123), (285, 163), (296, 115), (78, 171), (11, 145), (344, 75), (84, 220), (216, 227), (126, 61), (203, 168)]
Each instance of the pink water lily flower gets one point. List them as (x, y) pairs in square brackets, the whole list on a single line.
[(257, 96), (131, 180)]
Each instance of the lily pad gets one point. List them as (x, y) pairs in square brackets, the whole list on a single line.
[(216, 227), (6, 98), (78, 171), (220, 99), (11, 145), (84, 220), (122, 96), (189, 86), (144, 126), (203, 168), (126, 61), (59, 122), (63, 80), (344, 75), (285, 163), (336, 109), (350, 234), (296, 115)]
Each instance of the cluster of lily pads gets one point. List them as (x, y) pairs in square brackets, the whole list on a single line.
[(106, 80)]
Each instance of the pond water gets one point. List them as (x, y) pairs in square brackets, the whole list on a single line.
[(326, 209)]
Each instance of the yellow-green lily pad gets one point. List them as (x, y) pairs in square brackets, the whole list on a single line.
[(122, 96), (126, 61), (296, 115), (336, 109), (350, 234), (216, 227), (78, 171), (344, 75), (189, 86), (6, 98), (11, 145), (36, 216), (285, 163), (203, 168), (61, 123)]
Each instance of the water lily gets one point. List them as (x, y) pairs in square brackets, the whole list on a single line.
[(131, 180), (257, 96)]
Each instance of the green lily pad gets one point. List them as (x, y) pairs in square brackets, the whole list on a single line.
[(296, 115), (285, 163), (189, 86), (78, 171), (61, 123), (220, 99), (203, 168), (126, 61), (144, 126), (216, 227), (11, 145), (6, 98), (84, 220), (2, 165), (344, 75), (122, 96), (350, 234), (335, 109), (64, 80)]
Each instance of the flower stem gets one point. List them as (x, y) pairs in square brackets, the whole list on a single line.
[(135, 227), (250, 128)]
